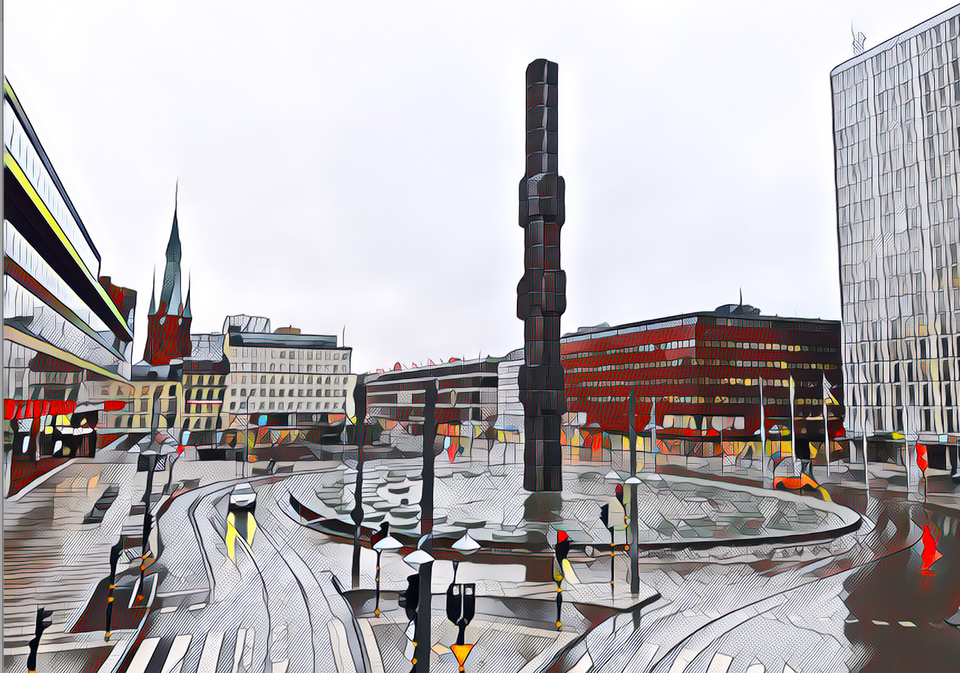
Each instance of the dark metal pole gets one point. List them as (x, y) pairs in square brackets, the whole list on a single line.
[(376, 609), (424, 610), (115, 551), (360, 405), (151, 466), (634, 514)]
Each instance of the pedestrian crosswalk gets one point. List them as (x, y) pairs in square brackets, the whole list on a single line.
[(170, 654), (719, 663)]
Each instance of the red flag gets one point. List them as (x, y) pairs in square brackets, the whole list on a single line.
[(929, 555), (922, 456)]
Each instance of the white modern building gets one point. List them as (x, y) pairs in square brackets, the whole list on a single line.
[(896, 122), (284, 372)]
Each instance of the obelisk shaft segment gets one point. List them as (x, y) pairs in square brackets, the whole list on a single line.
[(541, 293)]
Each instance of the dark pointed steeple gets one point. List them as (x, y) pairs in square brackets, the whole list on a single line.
[(153, 293), (173, 245), (186, 307), (171, 294)]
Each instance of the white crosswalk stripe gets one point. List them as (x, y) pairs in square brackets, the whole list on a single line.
[(238, 650), (142, 658), (177, 651), (720, 663), (211, 652), (642, 658), (682, 660)]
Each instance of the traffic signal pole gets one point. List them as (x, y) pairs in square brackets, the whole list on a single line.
[(634, 514), (43, 622), (424, 611), (115, 551)]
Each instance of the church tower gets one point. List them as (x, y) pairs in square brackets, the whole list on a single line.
[(168, 324)]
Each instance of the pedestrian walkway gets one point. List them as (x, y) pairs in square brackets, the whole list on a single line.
[(211, 652)]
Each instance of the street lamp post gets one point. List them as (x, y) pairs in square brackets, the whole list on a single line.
[(246, 438), (383, 541), (634, 513), (152, 458)]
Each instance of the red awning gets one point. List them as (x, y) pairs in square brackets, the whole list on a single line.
[(20, 409)]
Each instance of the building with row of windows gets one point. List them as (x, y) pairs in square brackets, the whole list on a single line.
[(896, 115), (288, 385), (705, 371), (466, 410), (67, 331)]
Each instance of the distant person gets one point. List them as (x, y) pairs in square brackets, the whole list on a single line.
[(804, 456)]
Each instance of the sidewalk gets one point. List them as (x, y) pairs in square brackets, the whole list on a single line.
[(52, 558)]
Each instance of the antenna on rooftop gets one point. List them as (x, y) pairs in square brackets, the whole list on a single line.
[(858, 41)]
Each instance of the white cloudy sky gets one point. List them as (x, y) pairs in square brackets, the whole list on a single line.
[(357, 163)]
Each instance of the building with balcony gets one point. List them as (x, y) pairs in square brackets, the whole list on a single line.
[(288, 385), (896, 111), (62, 323), (205, 375), (466, 404)]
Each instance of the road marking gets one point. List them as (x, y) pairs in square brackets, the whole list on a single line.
[(756, 668), (909, 625), (720, 663), (279, 666), (142, 658), (642, 658), (238, 650), (787, 669), (177, 651), (583, 665), (196, 606), (373, 650), (341, 652), (881, 623), (211, 652), (684, 658), (119, 649), (169, 608), (851, 620)]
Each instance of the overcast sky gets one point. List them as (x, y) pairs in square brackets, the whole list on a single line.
[(357, 163)]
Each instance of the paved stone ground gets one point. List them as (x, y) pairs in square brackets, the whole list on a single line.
[(498, 512), (53, 559)]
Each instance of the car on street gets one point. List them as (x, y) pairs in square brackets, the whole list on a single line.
[(243, 497)]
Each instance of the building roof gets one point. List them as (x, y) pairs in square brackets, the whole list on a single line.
[(901, 37), (206, 347), (271, 340), (439, 370), (246, 323), (726, 311)]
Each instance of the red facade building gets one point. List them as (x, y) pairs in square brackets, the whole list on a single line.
[(705, 371)]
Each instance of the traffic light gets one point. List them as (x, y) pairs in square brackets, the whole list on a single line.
[(410, 598), (619, 493), (43, 623)]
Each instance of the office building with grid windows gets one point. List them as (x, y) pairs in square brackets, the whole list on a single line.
[(896, 123)]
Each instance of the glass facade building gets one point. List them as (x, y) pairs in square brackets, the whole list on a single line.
[(64, 334), (896, 123)]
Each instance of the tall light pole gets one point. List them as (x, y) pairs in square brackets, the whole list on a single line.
[(634, 513), (422, 632), (246, 439)]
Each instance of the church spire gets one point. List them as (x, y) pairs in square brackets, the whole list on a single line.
[(186, 307), (173, 245), (170, 292), (153, 293)]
